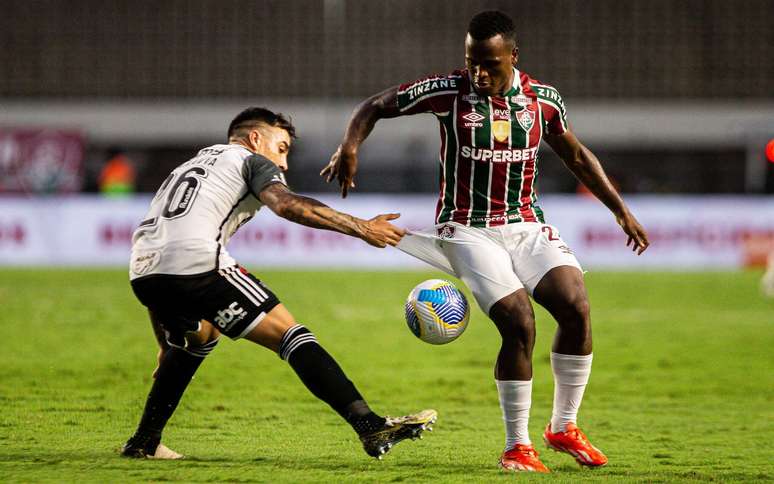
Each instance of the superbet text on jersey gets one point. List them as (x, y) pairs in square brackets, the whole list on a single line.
[(489, 145)]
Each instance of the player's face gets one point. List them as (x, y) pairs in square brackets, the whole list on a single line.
[(490, 63), (273, 143)]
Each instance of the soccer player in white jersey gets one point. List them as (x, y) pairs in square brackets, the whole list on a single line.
[(194, 290), (489, 230)]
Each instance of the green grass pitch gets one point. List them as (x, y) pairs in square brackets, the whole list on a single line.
[(682, 387)]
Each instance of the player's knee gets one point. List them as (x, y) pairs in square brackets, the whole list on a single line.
[(582, 308), (201, 349), (519, 329), (578, 308), (574, 313), (295, 337), (514, 319)]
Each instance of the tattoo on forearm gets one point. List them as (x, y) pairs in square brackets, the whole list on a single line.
[(310, 212)]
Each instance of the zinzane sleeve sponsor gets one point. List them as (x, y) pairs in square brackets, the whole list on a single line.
[(552, 106), (433, 94)]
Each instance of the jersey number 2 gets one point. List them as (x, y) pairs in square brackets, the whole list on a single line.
[(550, 231)]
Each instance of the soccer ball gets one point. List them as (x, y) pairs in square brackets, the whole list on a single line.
[(437, 312)]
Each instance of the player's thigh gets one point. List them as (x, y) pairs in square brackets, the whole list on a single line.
[(537, 249), (175, 325), (233, 301), (165, 299), (483, 264)]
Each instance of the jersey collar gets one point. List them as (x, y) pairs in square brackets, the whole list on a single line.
[(515, 85)]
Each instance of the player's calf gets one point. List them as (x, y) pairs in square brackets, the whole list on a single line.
[(172, 378), (326, 380)]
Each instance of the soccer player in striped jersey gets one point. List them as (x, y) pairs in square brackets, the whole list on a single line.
[(489, 229), (194, 290)]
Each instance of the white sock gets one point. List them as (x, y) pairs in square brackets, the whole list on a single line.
[(571, 374), (515, 401)]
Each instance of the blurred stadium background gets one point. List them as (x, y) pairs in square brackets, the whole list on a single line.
[(100, 100), (677, 99)]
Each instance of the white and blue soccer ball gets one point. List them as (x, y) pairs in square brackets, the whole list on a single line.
[(437, 312)]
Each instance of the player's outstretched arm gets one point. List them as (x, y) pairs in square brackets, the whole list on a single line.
[(587, 168), (377, 231), (343, 163)]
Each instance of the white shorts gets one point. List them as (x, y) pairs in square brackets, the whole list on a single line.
[(493, 262)]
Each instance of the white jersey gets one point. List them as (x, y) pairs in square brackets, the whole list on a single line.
[(197, 209)]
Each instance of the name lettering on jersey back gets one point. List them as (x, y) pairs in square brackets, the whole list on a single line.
[(206, 157), (499, 156), (201, 161), (429, 85)]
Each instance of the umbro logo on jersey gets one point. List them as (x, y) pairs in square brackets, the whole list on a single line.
[(226, 318), (473, 117)]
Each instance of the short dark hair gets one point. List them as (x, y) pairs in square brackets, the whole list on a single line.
[(486, 25), (255, 115)]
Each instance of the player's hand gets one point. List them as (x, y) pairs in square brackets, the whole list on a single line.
[(638, 238), (343, 167), (379, 232)]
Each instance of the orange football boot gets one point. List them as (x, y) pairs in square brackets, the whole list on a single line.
[(575, 443), (522, 458)]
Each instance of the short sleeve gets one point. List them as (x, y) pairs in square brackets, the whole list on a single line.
[(259, 172), (552, 106), (434, 94)]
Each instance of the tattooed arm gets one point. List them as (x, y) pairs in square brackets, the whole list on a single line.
[(377, 231)]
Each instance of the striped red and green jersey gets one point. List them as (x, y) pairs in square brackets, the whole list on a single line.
[(489, 145)]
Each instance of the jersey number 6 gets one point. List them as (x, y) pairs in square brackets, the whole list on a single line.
[(183, 192)]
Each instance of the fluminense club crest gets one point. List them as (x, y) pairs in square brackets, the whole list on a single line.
[(526, 119), (446, 232)]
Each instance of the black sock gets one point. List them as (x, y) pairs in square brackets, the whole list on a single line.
[(326, 380), (175, 372), (362, 419)]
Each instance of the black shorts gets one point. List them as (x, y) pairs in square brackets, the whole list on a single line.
[(232, 299)]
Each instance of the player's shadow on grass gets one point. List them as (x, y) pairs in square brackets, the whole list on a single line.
[(337, 464)]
